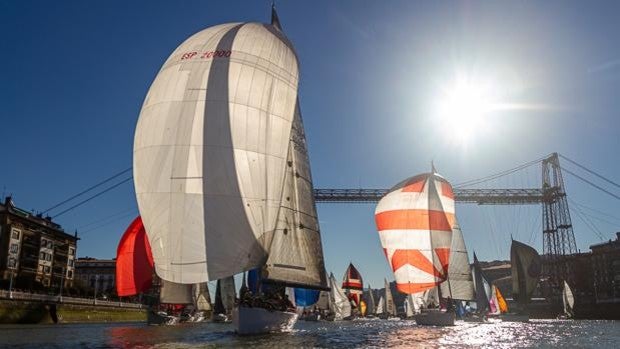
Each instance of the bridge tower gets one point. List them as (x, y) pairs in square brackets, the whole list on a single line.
[(558, 236)]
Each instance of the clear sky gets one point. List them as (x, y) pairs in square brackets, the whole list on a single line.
[(74, 75)]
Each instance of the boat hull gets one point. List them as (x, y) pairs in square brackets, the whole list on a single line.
[(435, 318), (515, 317), (160, 318), (248, 321)]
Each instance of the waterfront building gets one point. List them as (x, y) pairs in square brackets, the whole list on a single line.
[(606, 268), (35, 252), (97, 274)]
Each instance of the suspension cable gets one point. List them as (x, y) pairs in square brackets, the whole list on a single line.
[(590, 171), (590, 183), (499, 174), (94, 196), (87, 190)]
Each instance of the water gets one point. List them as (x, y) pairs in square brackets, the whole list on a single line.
[(351, 334)]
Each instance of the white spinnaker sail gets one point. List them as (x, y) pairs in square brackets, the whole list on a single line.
[(295, 250), (381, 306), (460, 284), (210, 150), (339, 303)]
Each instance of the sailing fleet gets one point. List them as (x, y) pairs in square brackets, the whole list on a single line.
[(224, 189)]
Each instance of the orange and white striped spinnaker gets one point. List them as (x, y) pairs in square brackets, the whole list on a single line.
[(415, 221)]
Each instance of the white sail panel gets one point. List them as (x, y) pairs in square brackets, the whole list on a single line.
[(295, 250), (390, 306), (381, 306), (210, 150), (568, 299), (460, 284), (174, 293)]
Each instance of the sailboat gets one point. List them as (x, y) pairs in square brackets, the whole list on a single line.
[(415, 220), (390, 306), (483, 292), (410, 306), (370, 303), (381, 306), (339, 304), (353, 285), (221, 170), (568, 300), (525, 270), (497, 303), (224, 300)]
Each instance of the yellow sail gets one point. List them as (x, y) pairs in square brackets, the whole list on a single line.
[(363, 308), (501, 302)]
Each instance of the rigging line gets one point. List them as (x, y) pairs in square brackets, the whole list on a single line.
[(590, 171), (499, 174), (592, 184), (87, 190), (94, 196), (108, 223)]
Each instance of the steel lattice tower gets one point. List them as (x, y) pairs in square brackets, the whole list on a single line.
[(558, 236)]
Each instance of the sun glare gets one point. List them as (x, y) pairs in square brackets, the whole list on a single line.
[(464, 107)]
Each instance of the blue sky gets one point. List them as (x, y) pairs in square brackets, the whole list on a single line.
[(74, 75)]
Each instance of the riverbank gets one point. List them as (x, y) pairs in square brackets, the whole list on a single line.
[(25, 312)]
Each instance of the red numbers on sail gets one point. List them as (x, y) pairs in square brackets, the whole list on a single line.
[(205, 55)]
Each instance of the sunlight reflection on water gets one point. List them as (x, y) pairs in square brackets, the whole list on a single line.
[(351, 334)]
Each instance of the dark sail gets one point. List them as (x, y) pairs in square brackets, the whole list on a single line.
[(482, 302), (525, 269)]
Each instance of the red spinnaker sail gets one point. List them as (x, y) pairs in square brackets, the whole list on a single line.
[(352, 284), (134, 261)]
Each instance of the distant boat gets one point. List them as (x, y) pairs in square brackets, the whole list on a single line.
[(221, 169), (386, 308), (353, 285), (483, 290), (415, 220), (370, 303), (381, 306), (525, 269), (568, 300)]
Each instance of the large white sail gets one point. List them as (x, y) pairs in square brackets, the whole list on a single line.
[(339, 303), (415, 221), (210, 150), (460, 284), (295, 251)]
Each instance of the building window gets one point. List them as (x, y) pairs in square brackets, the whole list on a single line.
[(40, 268), (47, 269), (16, 233), (50, 244), (12, 263), (71, 262), (69, 274), (14, 248), (42, 256), (48, 257), (71, 251)]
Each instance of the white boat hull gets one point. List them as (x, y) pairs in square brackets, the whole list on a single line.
[(260, 320), (435, 318)]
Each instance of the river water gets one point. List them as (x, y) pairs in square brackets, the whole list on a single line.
[(347, 334)]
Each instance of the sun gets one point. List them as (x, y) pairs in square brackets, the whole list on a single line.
[(464, 107)]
